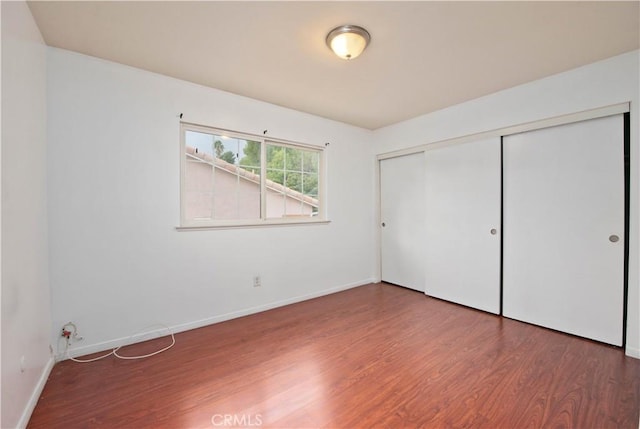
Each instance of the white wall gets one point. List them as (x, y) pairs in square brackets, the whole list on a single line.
[(117, 263), (26, 317), (600, 84)]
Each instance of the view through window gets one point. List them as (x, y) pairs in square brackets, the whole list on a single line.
[(222, 179)]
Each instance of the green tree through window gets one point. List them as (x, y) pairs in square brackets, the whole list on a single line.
[(251, 159), (294, 168)]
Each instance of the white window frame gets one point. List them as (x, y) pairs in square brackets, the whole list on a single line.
[(191, 224)]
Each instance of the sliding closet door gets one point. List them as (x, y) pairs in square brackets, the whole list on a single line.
[(564, 228), (462, 240), (402, 220)]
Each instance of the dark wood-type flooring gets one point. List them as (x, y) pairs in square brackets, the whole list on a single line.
[(373, 356)]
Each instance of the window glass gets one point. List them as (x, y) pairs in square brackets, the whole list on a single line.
[(222, 179), (296, 171)]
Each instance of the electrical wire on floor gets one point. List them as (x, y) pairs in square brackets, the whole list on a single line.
[(73, 333)]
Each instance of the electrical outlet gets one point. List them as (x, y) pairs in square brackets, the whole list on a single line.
[(256, 281), (70, 333)]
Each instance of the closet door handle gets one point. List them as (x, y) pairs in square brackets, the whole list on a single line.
[(614, 238), (493, 231)]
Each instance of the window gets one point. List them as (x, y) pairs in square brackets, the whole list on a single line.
[(234, 179)]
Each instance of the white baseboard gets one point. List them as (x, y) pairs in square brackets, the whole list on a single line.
[(632, 352), (124, 341), (35, 395)]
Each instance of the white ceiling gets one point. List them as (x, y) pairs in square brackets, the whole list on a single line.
[(423, 56)]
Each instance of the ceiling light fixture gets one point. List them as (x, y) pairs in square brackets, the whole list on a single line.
[(348, 41)]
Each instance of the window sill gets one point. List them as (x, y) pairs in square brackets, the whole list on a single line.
[(253, 224)]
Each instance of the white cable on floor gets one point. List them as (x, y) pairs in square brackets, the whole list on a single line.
[(173, 341), (115, 350), (85, 360)]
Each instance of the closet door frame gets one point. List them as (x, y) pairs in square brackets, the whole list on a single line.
[(619, 108)]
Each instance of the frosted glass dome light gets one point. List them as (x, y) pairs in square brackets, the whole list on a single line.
[(348, 41)]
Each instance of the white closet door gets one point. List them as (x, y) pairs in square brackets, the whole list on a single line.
[(462, 241), (563, 231), (402, 220)]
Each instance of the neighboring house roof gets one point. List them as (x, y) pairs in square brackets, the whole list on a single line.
[(249, 176)]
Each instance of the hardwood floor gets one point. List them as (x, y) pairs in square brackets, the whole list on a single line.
[(373, 356)]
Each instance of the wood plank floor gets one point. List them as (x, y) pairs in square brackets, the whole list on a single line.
[(373, 356)]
